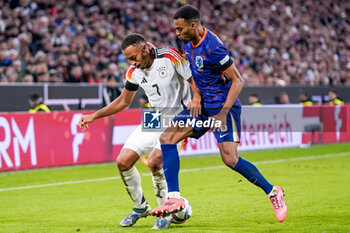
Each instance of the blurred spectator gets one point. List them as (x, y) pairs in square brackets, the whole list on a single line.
[(114, 71), (254, 100), (334, 99), (111, 91), (2, 78), (28, 78), (88, 74), (304, 99), (10, 74), (55, 77), (76, 74), (43, 77), (284, 98), (37, 104), (272, 42)]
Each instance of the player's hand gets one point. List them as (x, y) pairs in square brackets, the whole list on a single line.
[(221, 116), (195, 107), (84, 120)]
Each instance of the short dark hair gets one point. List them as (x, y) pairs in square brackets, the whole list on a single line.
[(132, 39), (34, 97), (333, 90), (283, 93), (254, 95), (111, 77), (303, 93), (188, 13)]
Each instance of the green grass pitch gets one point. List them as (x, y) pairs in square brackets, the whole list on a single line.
[(316, 182)]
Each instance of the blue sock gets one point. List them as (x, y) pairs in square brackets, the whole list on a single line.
[(171, 166), (251, 173)]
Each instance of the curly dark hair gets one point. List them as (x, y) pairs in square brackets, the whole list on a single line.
[(188, 13)]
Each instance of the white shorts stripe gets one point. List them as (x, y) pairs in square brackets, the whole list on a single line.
[(234, 129)]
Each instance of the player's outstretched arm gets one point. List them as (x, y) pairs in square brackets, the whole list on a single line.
[(195, 106), (120, 103), (235, 77)]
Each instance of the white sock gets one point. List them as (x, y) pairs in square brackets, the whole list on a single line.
[(160, 185), (174, 195), (273, 192), (132, 181)]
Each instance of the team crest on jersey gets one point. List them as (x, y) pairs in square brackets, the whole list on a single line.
[(162, 72), (199, 62)]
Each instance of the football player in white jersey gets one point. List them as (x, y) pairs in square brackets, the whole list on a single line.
[(165, 76)]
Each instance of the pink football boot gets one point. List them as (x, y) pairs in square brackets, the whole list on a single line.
[(279, 205)]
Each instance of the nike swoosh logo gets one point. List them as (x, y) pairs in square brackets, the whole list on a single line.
[(223, 135)]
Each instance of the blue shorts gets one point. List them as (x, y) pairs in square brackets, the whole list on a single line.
[(232, 131)]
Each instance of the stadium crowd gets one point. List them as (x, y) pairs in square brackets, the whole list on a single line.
[(272, 42)]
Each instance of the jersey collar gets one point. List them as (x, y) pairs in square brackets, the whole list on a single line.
[(201, 40)]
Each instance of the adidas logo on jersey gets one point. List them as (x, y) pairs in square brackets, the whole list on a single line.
[(144, 80)]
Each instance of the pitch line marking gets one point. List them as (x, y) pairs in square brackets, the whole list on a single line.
[(182, 171)]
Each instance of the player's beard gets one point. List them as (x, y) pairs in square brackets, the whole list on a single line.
[(144, 64), (183, 40), (141, 66)]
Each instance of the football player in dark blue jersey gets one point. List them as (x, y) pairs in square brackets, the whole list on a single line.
[(220, 84)]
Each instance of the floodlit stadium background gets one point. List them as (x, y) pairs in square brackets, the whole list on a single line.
[(68, 51)]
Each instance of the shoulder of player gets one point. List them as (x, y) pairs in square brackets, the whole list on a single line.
[(170, 53), (132, 71), (213, 40)]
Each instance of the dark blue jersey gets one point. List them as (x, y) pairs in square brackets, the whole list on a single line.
[(208, 60)]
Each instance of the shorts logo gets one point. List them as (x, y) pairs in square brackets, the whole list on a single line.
[(151, 119), (199, 62)]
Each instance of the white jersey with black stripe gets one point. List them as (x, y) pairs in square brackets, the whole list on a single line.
[(165, 82)]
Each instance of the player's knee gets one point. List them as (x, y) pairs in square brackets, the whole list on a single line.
[(230, 158), (155, 164), (175, 135), (123, 165), (229, 162), (165, 138)]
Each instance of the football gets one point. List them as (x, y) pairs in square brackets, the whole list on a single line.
[(183, 215)]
